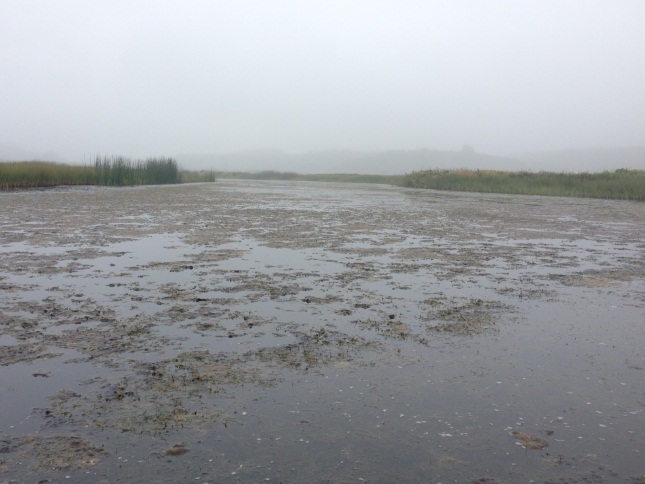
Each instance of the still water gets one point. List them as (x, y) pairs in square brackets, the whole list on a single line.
[(300, 332)]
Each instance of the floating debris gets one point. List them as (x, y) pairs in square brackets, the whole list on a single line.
[(530, 441), (175, 450)]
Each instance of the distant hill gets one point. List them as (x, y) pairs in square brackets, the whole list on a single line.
[(396, 162), (405, 161), (347, 161)]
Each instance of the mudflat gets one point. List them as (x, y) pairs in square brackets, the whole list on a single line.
[(309, 332)]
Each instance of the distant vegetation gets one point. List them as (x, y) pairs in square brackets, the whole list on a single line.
[(114, 171), (619, 184), (331, 177), (32, 174), (118, 171), (197, 176)]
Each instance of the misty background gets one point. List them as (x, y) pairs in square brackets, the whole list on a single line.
[(322, 86)]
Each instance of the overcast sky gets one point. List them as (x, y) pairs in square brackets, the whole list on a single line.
[(143, 78)]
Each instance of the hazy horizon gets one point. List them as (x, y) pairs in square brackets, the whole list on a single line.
[(165, 78)]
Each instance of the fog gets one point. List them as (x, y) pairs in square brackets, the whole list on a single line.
[(147, 78)]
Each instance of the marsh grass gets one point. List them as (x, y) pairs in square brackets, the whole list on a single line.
[(108, 171), (619, 184), (201, 176), (622, 184), (35, 174), (625, 184)]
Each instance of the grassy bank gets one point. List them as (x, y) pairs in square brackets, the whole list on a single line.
[(114, 171), (619, 184), (117, 171), (32, 174), (202, 176)]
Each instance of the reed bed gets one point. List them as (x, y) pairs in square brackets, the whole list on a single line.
[(109, 171), (624, 184), (120, 171), (38, 174)]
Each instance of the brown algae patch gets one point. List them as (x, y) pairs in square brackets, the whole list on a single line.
[(320, 300), (24, 353), (474, 317), (318, 348), (175, 393), (420, 253), (107, 340), (54, 453), (387, 327), (175, 450), (218, 255), (529, 441), (594, 279)]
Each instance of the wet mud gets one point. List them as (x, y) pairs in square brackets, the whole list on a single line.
[(299, 332)]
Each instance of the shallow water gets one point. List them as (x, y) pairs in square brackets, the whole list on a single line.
[(299, 332)]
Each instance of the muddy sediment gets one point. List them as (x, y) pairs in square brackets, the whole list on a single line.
[(294, 331)]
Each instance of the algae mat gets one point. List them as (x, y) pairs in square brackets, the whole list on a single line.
[(300, 332)]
